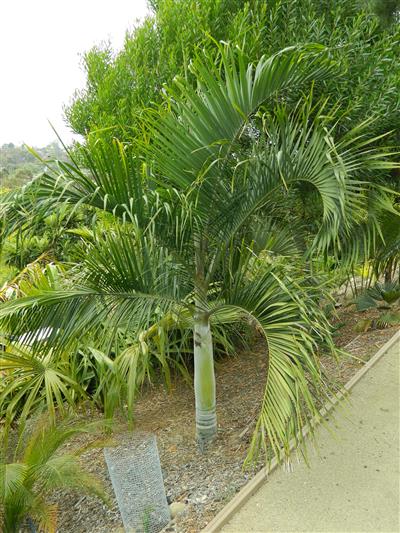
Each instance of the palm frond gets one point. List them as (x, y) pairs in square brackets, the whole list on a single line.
[(206, 121), (37, 469), (294, 327), (126, 279), (12, 477), (108, 177)]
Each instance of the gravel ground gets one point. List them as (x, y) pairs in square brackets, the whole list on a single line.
[(204, 482)]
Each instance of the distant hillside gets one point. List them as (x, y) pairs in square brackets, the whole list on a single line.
[(18, 165)]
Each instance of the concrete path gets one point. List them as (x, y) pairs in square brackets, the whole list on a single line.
[(353, 486)]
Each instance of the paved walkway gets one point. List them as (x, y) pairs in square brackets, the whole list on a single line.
[(353, 486)]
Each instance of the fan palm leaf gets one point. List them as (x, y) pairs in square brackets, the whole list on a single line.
[(30, 379)]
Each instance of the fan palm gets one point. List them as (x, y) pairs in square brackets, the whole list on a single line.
[(31, 467), (224, 159), (387, 253)]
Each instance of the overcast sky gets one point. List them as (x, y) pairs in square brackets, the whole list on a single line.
[(41, 44)]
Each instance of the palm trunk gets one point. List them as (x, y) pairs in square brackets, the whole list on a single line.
[(204, 381)]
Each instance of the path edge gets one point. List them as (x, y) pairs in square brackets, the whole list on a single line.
[(254, 484)]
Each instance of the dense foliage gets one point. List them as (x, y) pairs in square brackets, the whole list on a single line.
[(182, 257), (216, 187), (363, 38)]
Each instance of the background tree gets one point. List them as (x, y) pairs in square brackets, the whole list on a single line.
[(18, 165), (121, 86)]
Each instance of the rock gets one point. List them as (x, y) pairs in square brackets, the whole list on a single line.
[(177, 508)]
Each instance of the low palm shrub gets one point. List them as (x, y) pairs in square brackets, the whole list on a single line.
[(32, 466), (385, 298)]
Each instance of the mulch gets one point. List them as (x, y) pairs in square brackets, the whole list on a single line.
[(204, 482)]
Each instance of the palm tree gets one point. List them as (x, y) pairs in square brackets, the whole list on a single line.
[(31, 467), (222, 163)]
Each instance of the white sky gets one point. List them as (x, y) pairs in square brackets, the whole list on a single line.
[(41, 44)]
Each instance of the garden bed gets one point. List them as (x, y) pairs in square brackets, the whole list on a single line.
[(205, 482)]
